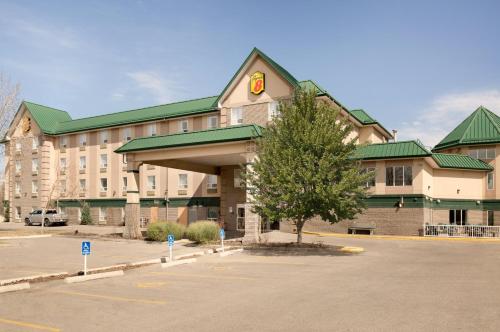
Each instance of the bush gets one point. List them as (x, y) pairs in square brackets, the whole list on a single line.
[(86, 216), (203, 231), (158, 231)]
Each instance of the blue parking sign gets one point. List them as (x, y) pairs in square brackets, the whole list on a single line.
[(222, 233), (170, 239), (86, 248)]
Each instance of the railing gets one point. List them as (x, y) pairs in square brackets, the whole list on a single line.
[(462, 230)]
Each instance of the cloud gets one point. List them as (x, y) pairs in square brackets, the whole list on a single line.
[(445, 113), (162, 89)]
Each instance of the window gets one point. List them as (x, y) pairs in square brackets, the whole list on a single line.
[(127, 134), (212, 181), (103, 214), (458, 217), (151, 129), (18, 212), (104, 161), (36, 142), (63, 141), (183, 126), (62, 164), (82, 139), (491, 180), (237, 178), (83, 162), (104, 184), (236, 116), (34, 187), (18, 166), (18, 146), (272, 110), (371, 181), (103, 137), (491, 218), (151, 182), (61, 210), (18, 188), (34, 165), (125, 183), (485, 153), (83, 185), (398, 176), (212, 122), (63, 186), (183, 181)]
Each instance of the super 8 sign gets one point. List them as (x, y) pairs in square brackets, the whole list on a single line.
[(257, 82)]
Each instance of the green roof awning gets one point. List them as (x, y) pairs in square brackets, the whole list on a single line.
[(211, 136), (403, 149), (459, 161)]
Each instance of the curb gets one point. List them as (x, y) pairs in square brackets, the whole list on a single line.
[(230, 252), (15, 287), (24, 237), (40, 277), (106, 268), (179, 262), (190, 255), (94, 276), (225, 248), (354, 250), (147, 262)]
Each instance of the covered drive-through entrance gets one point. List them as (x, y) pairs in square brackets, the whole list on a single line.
[(221, 152)]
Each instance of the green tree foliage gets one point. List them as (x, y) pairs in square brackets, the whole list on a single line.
[(86, 216), (305, 166)]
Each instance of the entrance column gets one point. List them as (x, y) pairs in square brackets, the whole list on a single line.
[(133, 206), (252, 219)]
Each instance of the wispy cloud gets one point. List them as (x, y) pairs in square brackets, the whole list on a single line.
[(161, 89), (445, 112)]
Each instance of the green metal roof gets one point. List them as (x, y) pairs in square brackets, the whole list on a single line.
[(363, 117), (282, 71), (403, 149), (46, 118), (447, 160), (481, 127), (218, 135)]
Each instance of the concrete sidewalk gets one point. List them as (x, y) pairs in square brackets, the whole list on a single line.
[(19, 229)]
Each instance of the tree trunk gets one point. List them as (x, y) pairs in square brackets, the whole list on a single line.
[(132, 228), (299, 224)]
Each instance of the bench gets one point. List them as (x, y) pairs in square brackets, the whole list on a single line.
[(365, 230)]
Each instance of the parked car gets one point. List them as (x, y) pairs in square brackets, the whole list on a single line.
[(48, 217)]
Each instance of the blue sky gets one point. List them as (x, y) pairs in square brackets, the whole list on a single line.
[(420, 67)]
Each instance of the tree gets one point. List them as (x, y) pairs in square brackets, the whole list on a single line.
[(86, 216), (305, 165), (9, 103)]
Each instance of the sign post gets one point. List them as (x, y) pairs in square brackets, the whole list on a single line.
[(170, 239), (222, 236), (85, 253)]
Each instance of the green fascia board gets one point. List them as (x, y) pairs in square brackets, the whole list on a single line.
[(391, 150), (366, 119), (481, 127), (46, 118), (280, 70), (166, 111), (422, 201), (210, 136), (145, 202), (458, 161)]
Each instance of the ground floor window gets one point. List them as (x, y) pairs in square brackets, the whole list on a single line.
[(213, 213), (103, 214), (18, 212), (458, 217), (491, 218)]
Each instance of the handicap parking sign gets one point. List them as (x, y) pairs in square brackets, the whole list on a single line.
[(86, 248), (222, 233), (170, 239)]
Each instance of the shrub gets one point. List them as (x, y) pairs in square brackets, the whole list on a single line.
[(203, 231), (6, 211), (86, 216), (158, 231)]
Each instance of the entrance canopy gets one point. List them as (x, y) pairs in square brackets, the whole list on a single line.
[(200, 151)]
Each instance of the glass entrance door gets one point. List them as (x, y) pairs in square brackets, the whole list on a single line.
[(240, 217)]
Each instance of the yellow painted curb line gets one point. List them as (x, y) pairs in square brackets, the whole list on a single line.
[(352, 249), (399, 237)]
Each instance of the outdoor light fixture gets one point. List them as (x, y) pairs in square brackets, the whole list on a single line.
[(230, 209)]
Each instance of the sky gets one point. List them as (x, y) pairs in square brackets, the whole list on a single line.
[(416, 66)]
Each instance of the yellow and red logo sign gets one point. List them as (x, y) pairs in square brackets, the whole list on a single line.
[(257, 83)]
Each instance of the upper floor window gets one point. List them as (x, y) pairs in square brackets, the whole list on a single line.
[(18, 188), (127, 134), (18, 146), (104, 160), (371, 181), (34, 165), (183, 181), (491, 181), (104, 184), (63, 186), (83, 184), (485, 153), (18, 166), (211, 181), (36, 142), (212, 122), (151, 129), (62, 164), (63, 141), (151, 182), (398, 176), (272, 110), (125, 181), (83, 162), (236, 116), (104, 137), (34, 187), (82, 139), (237, 178), (183, 126)]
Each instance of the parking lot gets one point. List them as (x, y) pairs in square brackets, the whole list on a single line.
[(394, 285)]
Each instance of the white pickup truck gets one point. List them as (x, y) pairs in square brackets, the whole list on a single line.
[(48, 217)]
